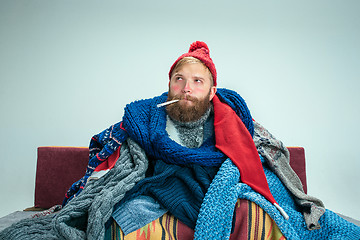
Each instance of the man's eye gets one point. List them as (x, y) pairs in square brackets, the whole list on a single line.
[(179, 78), (198, 80)]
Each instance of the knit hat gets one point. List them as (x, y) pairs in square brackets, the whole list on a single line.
[(200, 51)]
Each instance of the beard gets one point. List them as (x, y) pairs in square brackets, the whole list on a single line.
[(184, 113)]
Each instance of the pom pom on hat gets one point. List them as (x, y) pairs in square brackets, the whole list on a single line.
[(200, 51), (199, 45)]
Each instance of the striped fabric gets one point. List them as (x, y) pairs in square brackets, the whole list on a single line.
[(251, 223), (260, 225)]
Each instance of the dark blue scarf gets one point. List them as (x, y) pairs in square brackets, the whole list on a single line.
[(145, 123)]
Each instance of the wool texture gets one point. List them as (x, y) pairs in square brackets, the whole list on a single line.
[(136, 213), (215, 217), (278, 159), (191, 134), (179, 189), (145, 123), (233, 133), (101, 147)]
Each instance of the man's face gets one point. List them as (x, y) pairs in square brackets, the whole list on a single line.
[(193, 86)]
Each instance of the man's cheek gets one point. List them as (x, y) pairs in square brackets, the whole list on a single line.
[(200, 92), (175, 89)]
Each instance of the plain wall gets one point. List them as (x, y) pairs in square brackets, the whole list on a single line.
[(67, 69)]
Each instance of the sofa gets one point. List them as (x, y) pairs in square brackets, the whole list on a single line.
[(59, 167), (53, 162)]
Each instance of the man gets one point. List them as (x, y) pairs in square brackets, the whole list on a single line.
[(190, 123), (178, 165)]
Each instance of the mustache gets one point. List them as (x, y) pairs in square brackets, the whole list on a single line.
[(182, 97)]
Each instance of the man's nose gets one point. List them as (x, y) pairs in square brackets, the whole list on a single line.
[(187, 87)]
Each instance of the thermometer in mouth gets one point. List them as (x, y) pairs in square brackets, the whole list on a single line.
[(167, 103)]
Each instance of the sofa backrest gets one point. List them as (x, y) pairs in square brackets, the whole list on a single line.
[(59, 167)]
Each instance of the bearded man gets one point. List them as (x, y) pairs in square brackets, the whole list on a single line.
[(188, 164), (192, 83)]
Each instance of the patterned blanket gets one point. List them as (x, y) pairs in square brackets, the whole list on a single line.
[(250, 222)]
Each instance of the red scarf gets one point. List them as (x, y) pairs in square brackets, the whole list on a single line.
[(235, 141)]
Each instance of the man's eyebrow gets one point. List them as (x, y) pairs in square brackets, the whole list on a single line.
[(199, 77), (178, 75)]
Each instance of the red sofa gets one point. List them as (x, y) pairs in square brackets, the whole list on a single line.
[(59, 167)]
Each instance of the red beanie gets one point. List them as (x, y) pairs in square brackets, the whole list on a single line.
[(200, 51)]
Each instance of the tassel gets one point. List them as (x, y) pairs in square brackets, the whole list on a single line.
[(282, 211)]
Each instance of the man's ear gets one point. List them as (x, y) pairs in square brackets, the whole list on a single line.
[(212, 92)]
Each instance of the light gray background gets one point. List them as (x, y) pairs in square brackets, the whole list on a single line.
[(67, 69)]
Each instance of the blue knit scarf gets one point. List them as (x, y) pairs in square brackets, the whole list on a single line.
[(145, 123)]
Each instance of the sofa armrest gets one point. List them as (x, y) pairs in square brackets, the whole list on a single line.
[(297, 163), (59, 167)]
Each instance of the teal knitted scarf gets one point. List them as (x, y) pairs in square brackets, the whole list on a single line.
[(216, 212)]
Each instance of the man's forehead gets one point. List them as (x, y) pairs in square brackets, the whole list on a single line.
[(197, 69)]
